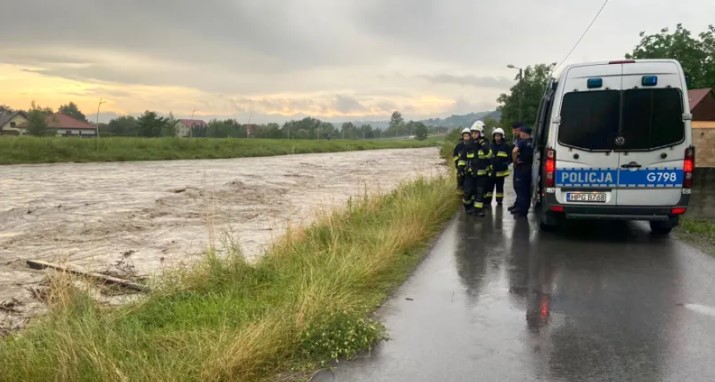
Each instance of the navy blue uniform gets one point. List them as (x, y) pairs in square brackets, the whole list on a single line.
[(499, 171), (516, 143), (522, 176)]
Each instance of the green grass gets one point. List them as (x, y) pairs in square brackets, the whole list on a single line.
[(309, 300), (698, 231), (14, 150)]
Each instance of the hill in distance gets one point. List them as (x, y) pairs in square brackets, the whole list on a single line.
[(453, 121)]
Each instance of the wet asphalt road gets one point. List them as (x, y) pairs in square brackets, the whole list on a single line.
[(496, 300)]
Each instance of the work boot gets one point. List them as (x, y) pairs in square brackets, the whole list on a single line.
[(481, 213)]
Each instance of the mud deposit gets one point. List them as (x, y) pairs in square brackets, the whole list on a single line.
[(138, 219)]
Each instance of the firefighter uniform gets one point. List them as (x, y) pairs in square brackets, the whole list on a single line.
[(479, 155), (460, 164), (499, 169)]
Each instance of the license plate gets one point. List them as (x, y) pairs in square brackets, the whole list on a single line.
[(586, 197)]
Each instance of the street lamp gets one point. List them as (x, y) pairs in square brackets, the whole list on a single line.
[(521, 89), (97, 122)]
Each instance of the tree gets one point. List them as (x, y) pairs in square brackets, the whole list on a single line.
[(367, 131), (697, 56), (123, 126), (37, 120), (73, 111), (5, 108), (421, 131), (150, 124), (396, 122), (347, 131), (532, 88)]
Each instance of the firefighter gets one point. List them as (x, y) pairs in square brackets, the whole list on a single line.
[(499, 167), (461, 164), (478, 154)]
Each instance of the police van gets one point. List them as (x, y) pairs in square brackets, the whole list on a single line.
[(613, 141)]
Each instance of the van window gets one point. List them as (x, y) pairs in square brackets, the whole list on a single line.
[(589, 120), (652, 118)]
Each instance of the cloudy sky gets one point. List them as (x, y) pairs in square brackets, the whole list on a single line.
[(272, 60)]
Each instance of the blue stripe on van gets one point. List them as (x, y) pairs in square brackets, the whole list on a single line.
[(638, 178)]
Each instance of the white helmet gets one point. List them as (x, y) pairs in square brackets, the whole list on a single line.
[(478, 126), (466, 131), (498, 130)]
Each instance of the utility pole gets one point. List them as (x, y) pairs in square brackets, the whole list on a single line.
[(521, 90), (97, 121), (191, 128)]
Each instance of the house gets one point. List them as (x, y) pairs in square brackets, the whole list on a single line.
[(10, 122), (184, 127), (66, 126), (702, 107)]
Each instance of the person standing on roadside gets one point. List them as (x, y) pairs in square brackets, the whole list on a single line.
[(515, 128), (523, 157), (479, 156), (461, 163), (501, 159)]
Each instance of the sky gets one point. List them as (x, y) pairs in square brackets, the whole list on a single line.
[(275, 60)]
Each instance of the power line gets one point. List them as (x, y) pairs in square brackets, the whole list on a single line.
[(582, 36)]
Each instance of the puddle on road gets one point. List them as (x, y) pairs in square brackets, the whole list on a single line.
[(702, 309), (158, 215)]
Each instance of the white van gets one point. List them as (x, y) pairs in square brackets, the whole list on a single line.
[(613, 141)]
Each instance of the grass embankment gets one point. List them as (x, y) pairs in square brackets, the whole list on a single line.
[(698, 231), (14, 150), (306, 302)]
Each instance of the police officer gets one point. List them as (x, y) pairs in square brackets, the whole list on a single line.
[(523, 157), (461, 164), (499, 167), (479, 155), (515, 128)]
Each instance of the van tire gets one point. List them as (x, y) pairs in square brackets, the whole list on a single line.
[(663, 228), (547, 221)]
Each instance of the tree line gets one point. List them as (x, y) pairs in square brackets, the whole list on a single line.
[(695, 54), (152, 124)]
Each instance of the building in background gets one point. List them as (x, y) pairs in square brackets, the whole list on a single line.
[(11, 122), (66, 126), (702, 107), (184, 127)]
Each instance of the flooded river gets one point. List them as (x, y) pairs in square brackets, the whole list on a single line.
[(143, 217)]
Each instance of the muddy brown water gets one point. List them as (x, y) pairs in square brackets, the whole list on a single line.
[(141, 218)]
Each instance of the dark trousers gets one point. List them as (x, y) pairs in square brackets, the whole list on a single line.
[(495, 189), (460, 179), (522, 185), (474, 189), (514, 183)]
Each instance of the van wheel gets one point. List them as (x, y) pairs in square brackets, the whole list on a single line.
[(547, 221), (663, 228)]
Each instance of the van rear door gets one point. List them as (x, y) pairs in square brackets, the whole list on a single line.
[(652, 139), (586, 166)]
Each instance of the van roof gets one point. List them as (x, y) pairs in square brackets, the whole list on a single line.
[(622, 61), (649, 62)]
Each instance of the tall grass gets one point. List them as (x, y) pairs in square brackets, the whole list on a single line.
[(26, 149), (306, 302)]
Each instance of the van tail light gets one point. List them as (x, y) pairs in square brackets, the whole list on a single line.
[(688, 167), (678, 211), (550, 167)]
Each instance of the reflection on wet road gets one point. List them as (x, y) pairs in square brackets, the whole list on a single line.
[(496, 300)]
